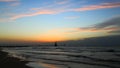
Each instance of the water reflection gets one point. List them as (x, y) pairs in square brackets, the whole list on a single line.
[(48, 65)]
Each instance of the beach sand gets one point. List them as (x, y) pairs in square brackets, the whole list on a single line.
[(11, 62)]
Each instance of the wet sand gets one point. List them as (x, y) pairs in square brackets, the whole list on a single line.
[(11, 62)]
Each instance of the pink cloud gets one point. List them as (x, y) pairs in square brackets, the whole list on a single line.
[(37, 13), (12, 2), (62, 2), (5, 20), (7, 0), (90, 29), (111, 28), (93, 29), (86, 29), (15, 4), (51, 10), (95, 7), (2, 19)]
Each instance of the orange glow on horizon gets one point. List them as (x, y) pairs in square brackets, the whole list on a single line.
[(47, 37), (51, 37)]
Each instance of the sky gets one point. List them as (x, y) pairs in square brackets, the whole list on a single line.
[(58, 20)]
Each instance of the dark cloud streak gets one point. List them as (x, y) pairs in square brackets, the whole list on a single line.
[(112, 22), (112, 40), (111, 26), (117, 31)]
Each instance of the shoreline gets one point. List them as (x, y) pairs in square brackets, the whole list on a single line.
[(7, 61)]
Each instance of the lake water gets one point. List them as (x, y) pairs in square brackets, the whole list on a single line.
[(68, 57)]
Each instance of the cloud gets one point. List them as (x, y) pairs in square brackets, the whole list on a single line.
[(55, 9), (111, 22), (116, 31), (5, 20), (111, 40), (2, 19), (32, 14), (8, 0), (100, 6), (15, 4), (111, 26), (12, 2), (72, 17), (40, 12), (62, 2)]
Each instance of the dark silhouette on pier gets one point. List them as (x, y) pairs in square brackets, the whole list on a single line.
[(55, 44)]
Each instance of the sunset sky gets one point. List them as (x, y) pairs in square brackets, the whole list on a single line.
[(58, 20)]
